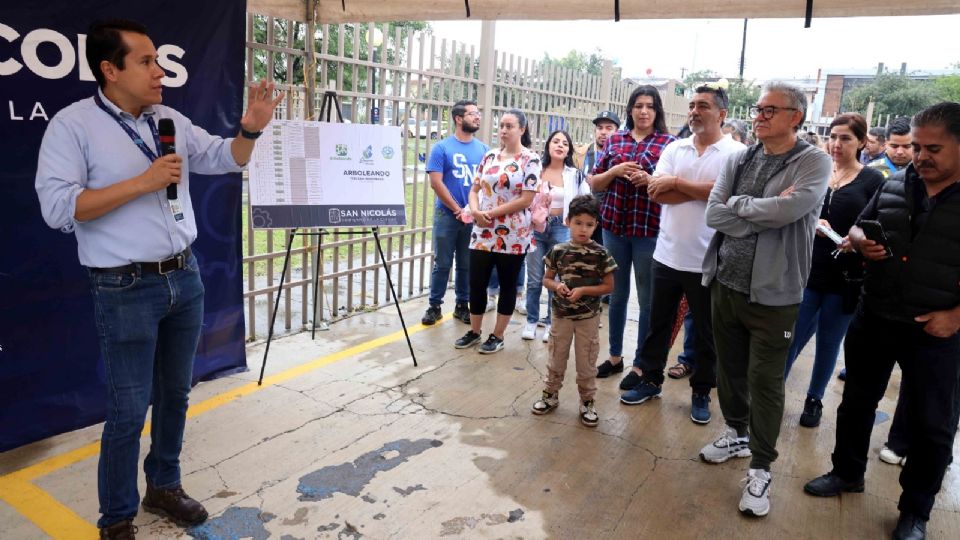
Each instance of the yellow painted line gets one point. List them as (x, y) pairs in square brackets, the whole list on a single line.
[(50, 515), (59, 521)]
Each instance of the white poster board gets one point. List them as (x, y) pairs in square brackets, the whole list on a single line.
[(320, 174)]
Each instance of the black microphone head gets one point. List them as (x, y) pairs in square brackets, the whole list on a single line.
[(166, 127)]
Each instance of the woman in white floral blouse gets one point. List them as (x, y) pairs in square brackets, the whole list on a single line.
[(507, 180)]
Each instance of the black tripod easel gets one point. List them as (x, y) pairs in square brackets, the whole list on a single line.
[(330, 101)]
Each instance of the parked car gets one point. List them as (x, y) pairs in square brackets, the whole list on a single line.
[(423, 130)]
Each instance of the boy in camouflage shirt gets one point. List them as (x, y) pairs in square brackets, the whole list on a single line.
[(579, 272)]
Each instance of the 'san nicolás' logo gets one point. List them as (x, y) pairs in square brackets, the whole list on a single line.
[(387, 152)]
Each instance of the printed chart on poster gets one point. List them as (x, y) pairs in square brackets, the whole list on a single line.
[(319, 174)]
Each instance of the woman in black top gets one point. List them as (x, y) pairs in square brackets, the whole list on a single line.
[(836, 272)]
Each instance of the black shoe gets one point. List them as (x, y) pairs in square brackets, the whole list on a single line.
[(630, 381), (491, 345), (831, 485), (469, 339), (431, 316), (842, 375), (174, 504), (462, 312), (122, 530), (812, 410), (608, 368), (910, 527)]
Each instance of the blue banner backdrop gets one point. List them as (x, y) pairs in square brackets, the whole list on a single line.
[(51, 374)]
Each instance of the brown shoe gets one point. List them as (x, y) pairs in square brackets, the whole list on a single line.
[(123, 530), (175, 505)]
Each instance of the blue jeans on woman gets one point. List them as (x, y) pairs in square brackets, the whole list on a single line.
[(555, 233), (636, 254), (821, 314), (149, 326)]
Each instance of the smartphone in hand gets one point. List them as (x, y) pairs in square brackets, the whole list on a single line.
[(873, 230)]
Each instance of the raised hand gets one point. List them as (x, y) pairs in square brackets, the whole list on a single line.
[(260, 106)]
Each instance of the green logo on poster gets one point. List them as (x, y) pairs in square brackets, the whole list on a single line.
[(368, 153), (387, 152), (342, 150)]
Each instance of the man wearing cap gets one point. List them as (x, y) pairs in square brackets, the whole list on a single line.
[(585, 157)]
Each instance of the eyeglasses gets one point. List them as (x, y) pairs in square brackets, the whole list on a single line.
[(477, 114), (768, 111)]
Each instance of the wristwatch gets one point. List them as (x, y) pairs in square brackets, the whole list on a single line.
[(252, 135)]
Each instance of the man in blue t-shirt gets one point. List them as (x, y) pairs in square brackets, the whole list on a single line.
[(452, 167)]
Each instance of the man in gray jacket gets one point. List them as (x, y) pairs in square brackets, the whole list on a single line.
[(764, 207)]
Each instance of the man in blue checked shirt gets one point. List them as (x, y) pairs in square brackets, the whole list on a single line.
[(100, 175)]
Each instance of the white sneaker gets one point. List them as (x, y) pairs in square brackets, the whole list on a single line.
[(726, 447), (755, 500), (889, 456), (546, 333), (491, 303), (521, 307), (529, 331)]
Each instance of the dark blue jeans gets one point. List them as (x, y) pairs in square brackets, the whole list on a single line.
[(149, 326), (633, 255), (451, 238), (555, 233), (821, 314)]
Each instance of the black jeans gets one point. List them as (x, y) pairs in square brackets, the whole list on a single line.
[(669, 286), (930, 366), (482, 264)]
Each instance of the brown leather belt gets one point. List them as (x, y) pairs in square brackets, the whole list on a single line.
[(176, 262)]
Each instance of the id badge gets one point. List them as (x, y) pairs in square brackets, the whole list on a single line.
[(176, 209)]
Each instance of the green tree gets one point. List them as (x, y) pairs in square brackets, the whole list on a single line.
[(894, 94), (295, 33), (694, 78), (579, 61), (742, 95), (949, 85)]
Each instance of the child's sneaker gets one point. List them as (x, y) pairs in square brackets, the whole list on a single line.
[(726, 447), (755, 500), (491, 303), (547, 403), (588, 414), (546, 333)]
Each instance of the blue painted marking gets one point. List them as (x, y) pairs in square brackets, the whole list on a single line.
[(351, 478), (233, 524)]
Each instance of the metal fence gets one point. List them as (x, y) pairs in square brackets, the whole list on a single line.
[(412, 78)]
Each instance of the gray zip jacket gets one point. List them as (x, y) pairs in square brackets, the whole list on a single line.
[(785, 226)]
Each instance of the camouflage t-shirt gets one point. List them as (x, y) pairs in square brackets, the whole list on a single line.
[(578, 266)]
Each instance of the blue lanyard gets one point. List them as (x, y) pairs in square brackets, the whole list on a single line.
[(134, 136)]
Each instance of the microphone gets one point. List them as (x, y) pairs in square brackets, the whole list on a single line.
[(168, 133)]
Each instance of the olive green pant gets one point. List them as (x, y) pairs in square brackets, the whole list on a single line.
[(752, 344)]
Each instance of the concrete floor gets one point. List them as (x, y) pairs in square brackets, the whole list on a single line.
[(347, 439)]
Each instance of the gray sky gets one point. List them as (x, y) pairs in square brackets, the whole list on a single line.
[(776, 48)]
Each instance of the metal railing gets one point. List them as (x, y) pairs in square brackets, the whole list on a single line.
[(411, 75)]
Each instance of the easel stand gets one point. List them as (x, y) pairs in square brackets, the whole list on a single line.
[(316, 281), (330, 101)]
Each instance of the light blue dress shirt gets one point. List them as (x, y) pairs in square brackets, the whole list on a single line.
[(84, 147)]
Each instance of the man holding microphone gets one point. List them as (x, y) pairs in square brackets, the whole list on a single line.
[(103, 174)]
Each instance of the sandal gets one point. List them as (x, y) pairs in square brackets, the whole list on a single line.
[(679, 371)]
